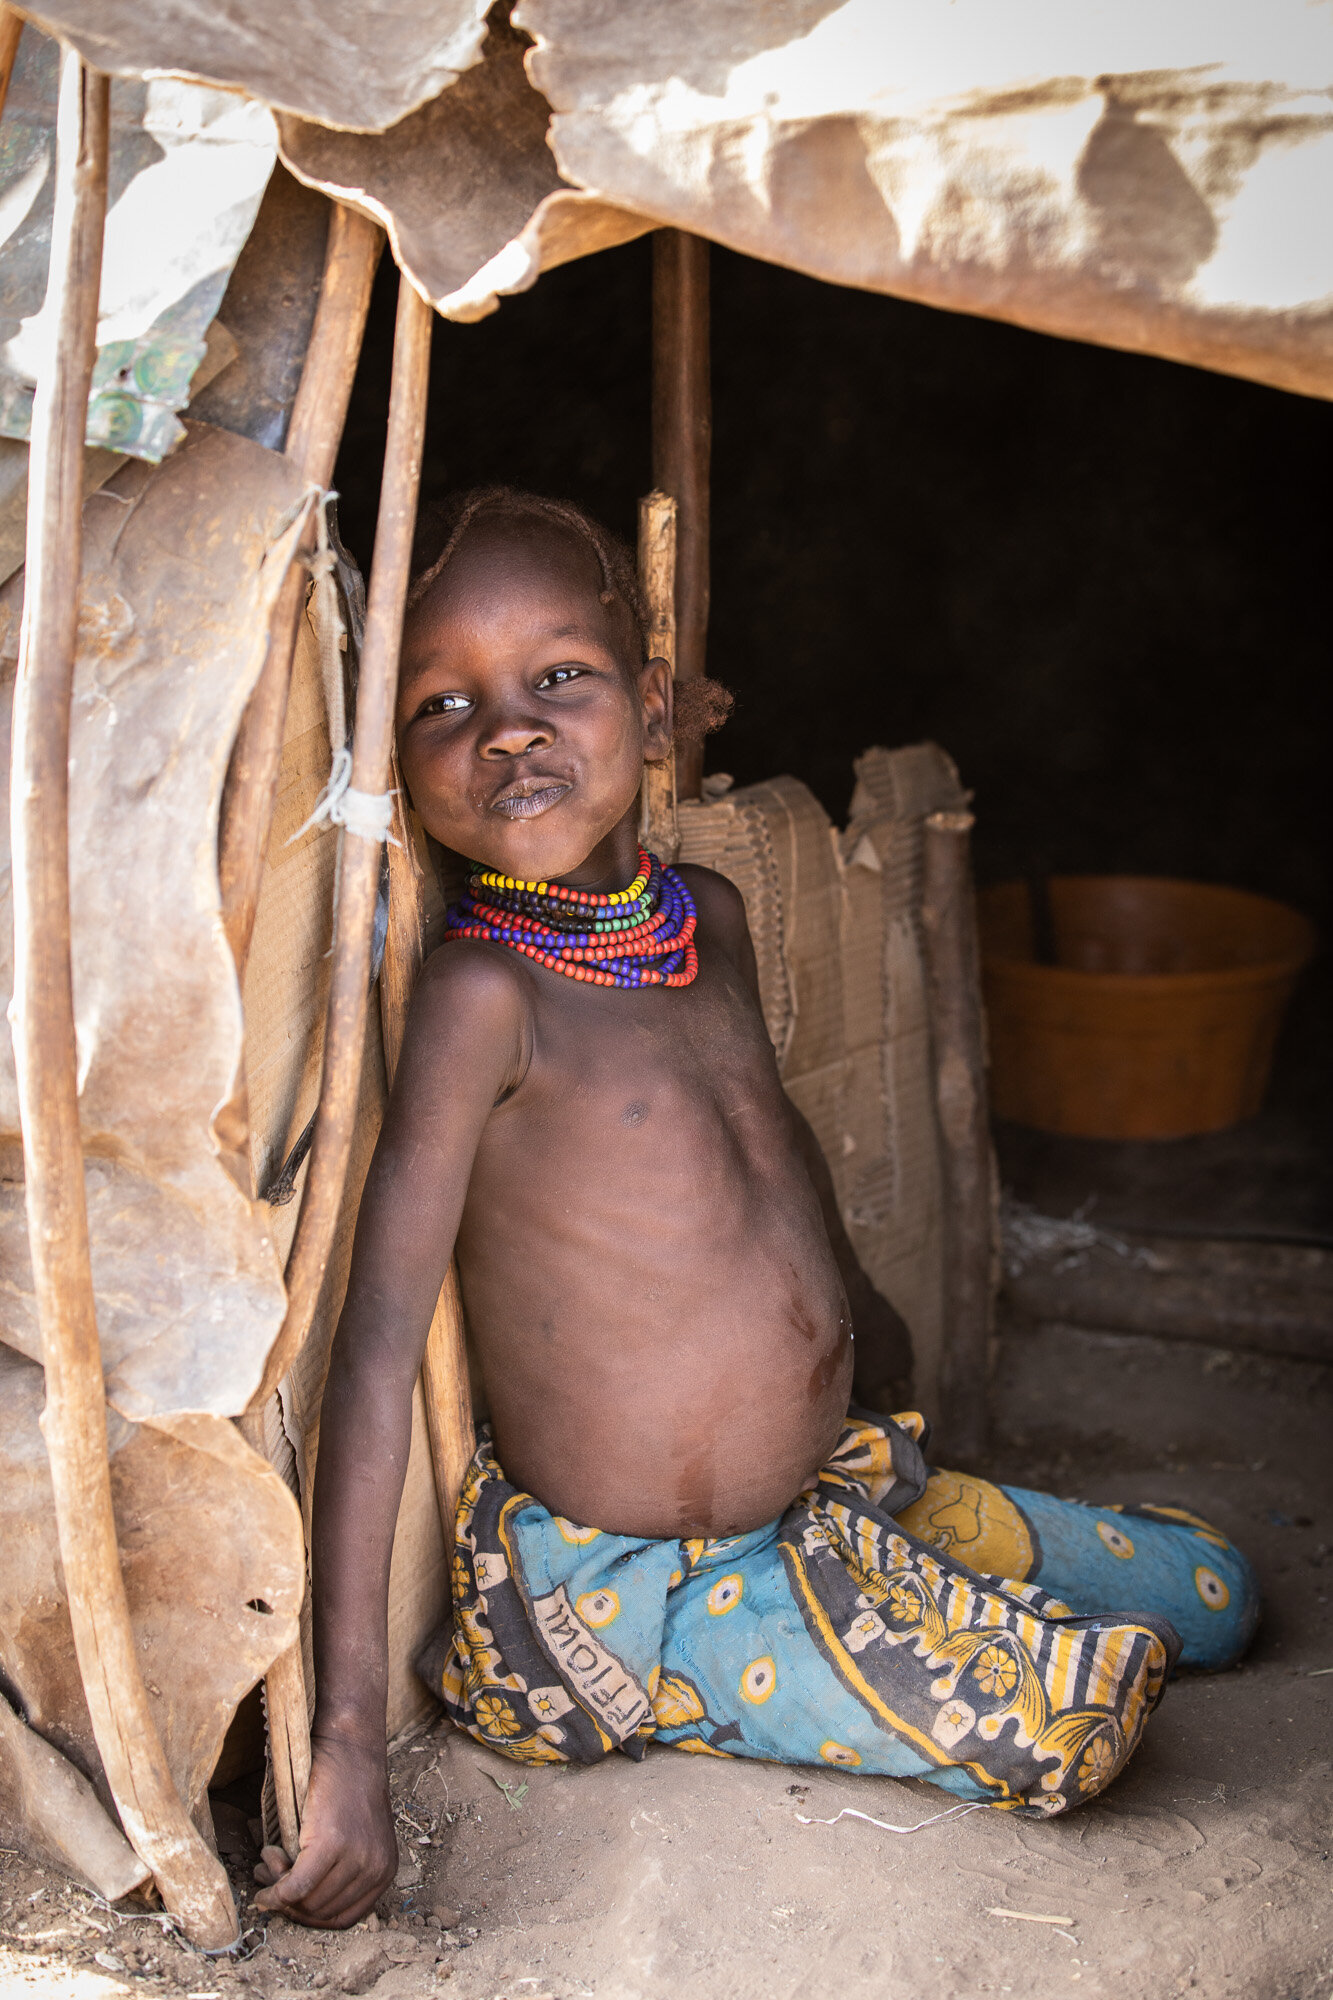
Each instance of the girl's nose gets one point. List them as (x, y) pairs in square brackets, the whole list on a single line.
[(514, 736)]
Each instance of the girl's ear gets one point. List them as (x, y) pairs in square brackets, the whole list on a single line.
[(656, 692)]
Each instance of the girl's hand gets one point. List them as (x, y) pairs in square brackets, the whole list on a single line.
[(349, 1852)]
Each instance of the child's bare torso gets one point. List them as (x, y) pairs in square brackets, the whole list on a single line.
[(661, 1325), (652, 1259)]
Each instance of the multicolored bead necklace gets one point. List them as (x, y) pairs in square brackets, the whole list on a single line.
[(640, 936)]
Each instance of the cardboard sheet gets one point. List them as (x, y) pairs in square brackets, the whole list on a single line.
[(836, 922)]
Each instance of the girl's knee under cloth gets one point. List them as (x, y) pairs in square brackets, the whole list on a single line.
[(1125, 1560)]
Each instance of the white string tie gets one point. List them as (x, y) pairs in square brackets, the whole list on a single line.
[(327, 620), (369, 815)]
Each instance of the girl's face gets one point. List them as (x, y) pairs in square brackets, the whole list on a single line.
[(523, 717)]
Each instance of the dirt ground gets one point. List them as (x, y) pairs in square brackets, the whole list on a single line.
[(1205, 1869)]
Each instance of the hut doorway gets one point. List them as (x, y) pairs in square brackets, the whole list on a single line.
[(1091, 576)]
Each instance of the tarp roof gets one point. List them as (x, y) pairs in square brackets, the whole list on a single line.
[(1151, 176)]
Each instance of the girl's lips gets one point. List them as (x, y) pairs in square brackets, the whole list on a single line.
[(524, 804)]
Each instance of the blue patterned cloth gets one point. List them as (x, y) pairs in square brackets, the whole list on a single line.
[(917, 1623)]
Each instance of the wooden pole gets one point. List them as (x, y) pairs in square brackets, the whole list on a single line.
[(949, 920), (658, 829), (313, 436), (320, 409), (682, 449), (192, 1881), (288, 1720), (444, 1375), (11, 31), (359, 867)]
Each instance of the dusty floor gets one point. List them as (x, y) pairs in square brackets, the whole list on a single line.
[(1205, 1870)]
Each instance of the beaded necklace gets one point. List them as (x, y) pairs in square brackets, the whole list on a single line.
[(640, 936)]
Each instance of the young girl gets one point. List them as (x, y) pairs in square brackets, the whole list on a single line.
[(674, 1529)]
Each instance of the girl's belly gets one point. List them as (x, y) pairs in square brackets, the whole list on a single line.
[(628, 1401)]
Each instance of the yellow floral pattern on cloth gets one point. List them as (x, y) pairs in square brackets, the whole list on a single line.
[(677, 1702), (974, 1521), (598, 1608), (991, 1667), (725, 1595), (760, 1680), (1211, 1588)]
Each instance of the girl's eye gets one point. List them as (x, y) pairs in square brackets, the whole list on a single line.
[(558, 676), (445, 704)]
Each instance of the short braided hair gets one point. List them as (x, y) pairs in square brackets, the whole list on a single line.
[(443, 526), (701, 705)]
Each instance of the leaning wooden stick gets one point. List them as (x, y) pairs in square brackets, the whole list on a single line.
[(949, 920), (444, 1376), (682, 449), (318, 415), (288, 1742), (345, 1026), (657, 576), (192, 1882), (313, 436)]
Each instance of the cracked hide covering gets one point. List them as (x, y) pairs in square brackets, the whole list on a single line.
[(466, 187), (359, 64), (182, 564), (1145, 176)]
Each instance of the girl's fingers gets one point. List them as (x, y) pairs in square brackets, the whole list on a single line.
[(272, 1865), (327, 1890)]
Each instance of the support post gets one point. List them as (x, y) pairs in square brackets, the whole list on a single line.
[(444, 1374), (358, 875), (192, 1881), (948, 916), (682, 449), (658, 829), (288, 1721), (313, 436)]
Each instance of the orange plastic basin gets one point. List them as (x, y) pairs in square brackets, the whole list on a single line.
[(1158, 1018)]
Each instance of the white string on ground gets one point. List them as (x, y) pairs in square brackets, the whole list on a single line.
[(850, 1812)]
